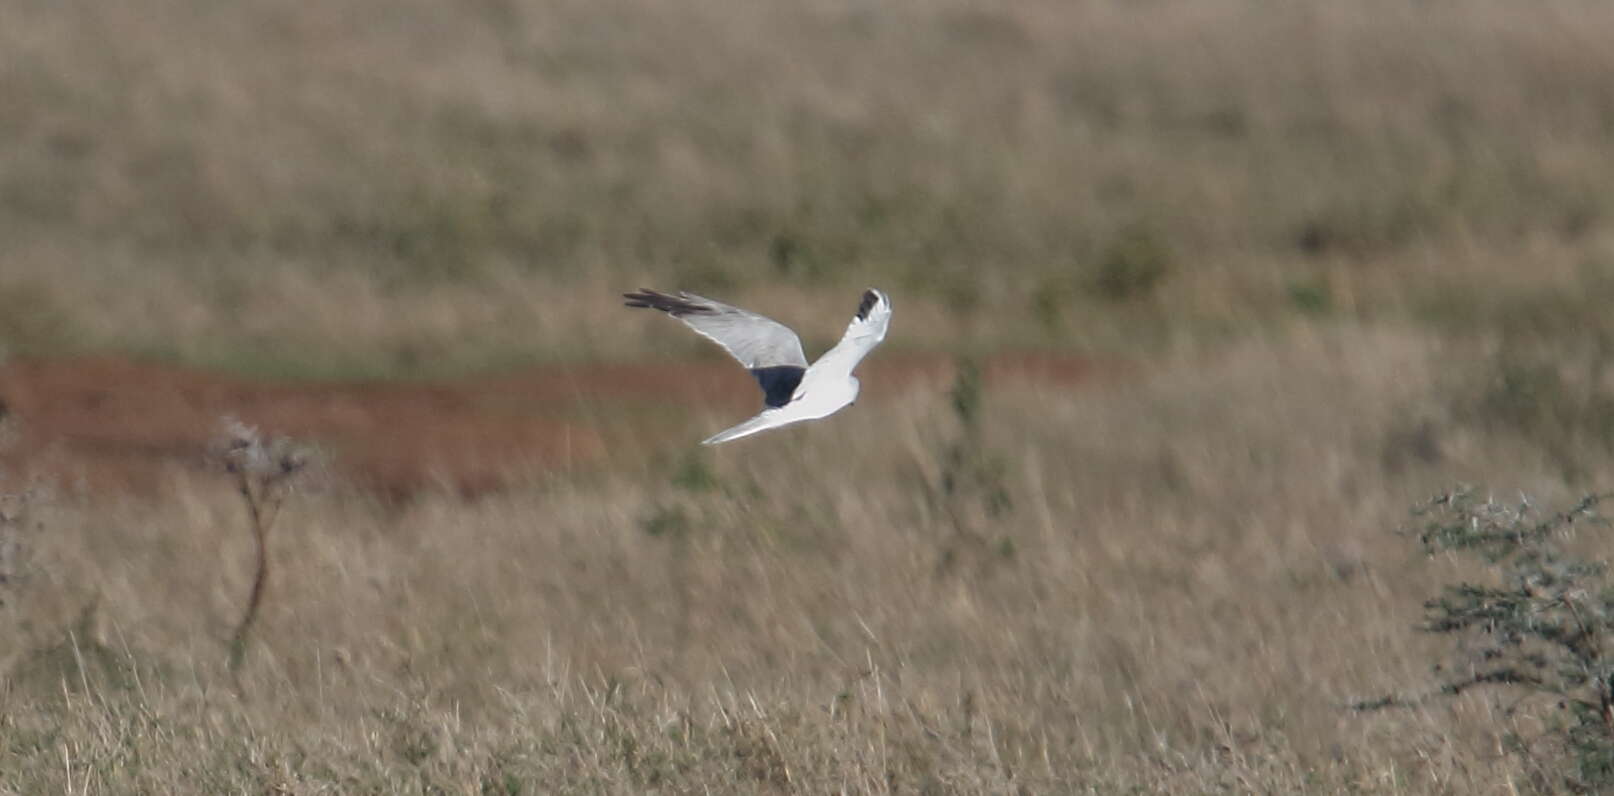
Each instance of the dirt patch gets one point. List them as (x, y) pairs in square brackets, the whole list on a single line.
[(115, 424)]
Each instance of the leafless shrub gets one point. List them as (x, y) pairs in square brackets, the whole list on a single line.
[(263, 468)]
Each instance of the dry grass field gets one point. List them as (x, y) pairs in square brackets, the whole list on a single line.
[(1247, 281)]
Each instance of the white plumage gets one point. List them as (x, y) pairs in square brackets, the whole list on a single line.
[(793, 391)]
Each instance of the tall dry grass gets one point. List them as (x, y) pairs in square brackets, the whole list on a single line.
[(1194, 580)]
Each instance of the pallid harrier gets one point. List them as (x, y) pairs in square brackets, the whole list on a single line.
[(792, 390)]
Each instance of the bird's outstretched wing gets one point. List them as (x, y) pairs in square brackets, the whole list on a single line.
[(866, 330), (764, 346), (756, 341), (769, 419)]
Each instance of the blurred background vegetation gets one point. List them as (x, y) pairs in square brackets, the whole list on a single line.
[(409, 188)]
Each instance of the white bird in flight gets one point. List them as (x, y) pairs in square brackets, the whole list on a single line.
[(792, 390)]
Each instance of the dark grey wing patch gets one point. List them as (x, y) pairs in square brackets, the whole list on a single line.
[(870, 298), (778, 383)]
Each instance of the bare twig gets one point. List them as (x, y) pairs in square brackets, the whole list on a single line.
[(263, 469)]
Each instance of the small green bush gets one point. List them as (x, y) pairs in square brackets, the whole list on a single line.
[(1133, 265), (1541, 628)]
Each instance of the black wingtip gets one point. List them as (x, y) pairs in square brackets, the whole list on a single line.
[(635, 299), (672, 305), (871, 297)]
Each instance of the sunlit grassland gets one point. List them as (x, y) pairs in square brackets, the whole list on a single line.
[(1193, 578)]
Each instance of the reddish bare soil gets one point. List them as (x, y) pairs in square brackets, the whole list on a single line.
[(114, 424)]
